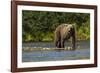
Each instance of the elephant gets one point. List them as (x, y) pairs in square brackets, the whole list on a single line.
[(64, 32)]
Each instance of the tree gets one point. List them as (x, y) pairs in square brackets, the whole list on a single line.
[(37, 25)]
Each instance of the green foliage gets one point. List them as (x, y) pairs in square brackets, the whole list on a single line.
[(40, 25)]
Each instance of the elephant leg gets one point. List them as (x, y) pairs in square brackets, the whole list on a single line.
[(73, 40), (56, 43), (62, 43), (59, 45)]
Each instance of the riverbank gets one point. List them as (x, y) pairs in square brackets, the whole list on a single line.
[(31, 46), (47, 49)]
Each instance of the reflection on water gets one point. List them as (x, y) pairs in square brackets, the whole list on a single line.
[(55, 55)]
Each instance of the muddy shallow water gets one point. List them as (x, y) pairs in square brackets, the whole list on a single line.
[(82, 52)]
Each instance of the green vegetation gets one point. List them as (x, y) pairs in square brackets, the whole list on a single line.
[(40, 25)]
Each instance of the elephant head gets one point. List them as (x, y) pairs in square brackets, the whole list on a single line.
[(64, 32)]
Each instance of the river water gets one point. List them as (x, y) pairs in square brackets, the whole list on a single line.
[(82, 52)]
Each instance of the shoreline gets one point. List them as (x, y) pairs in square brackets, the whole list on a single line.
[(26, 49)]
